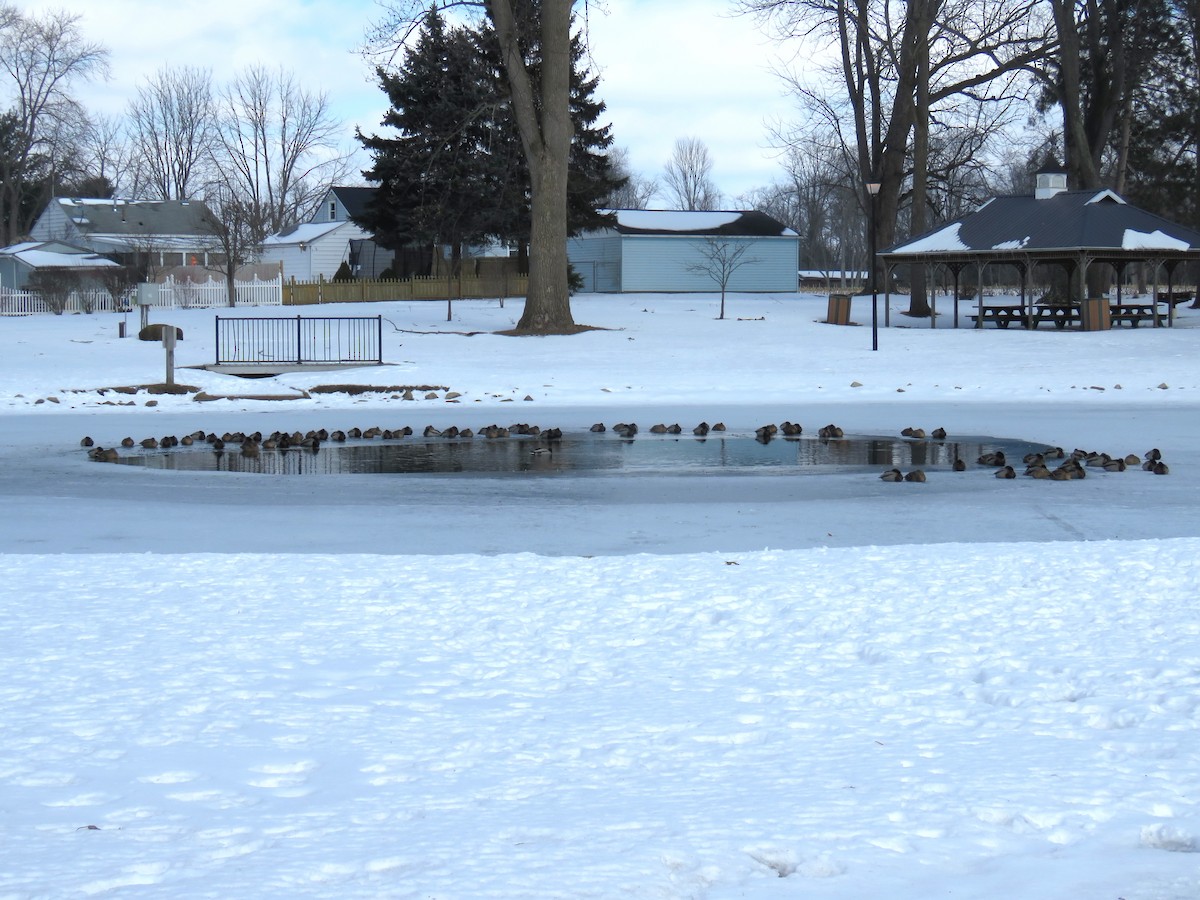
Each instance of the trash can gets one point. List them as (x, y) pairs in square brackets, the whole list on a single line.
[(839, 310), (1095, 315)]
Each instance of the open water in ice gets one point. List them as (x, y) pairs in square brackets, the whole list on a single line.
[(589, 453)]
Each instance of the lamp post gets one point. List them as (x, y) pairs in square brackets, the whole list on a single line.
[(872, 190)]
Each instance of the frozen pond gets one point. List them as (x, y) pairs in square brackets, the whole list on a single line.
[(588, 453)]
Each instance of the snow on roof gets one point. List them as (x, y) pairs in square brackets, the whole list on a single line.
[(1156, 240), (33, 256), (944, 239), (303, 234), (1012, 245), (728, 223), (674, 219)]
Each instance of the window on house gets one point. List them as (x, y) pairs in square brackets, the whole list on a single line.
[(332, 210)]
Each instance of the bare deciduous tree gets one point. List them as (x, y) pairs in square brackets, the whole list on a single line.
[(720, 258), (894, 72), (687, 177), (43, 56), (278, 146), (171, 123), (637, 191), (232, 234)]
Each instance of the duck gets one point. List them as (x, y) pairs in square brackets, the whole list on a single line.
[(701, 430), (1006, 472), (916, 433), (995, 458), (1153, 455), (916, 475), (720, 426), (127, 442), (430, 431), (1115, 465), (660, 428), (938, 434), (87, 442), (791, 429), (892, 475), (675, 428), (1160, 468), (598, 428), (959, 466)]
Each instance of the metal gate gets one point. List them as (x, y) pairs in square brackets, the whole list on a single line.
[(300, 340)]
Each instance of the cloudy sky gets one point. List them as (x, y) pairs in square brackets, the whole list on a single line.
[(664, 76)]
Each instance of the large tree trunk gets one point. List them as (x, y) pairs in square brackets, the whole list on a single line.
[(922, 14), (546, 139)]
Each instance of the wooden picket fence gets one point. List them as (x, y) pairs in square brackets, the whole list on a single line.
[(298, 293)]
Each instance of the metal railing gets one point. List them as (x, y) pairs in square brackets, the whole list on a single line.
[(299, 340)]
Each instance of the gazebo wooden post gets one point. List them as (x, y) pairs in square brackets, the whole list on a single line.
[(929, 279), (888, 269), (979, 283), (1026, 271), (956, 270)]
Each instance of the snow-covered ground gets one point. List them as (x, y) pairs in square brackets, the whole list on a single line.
[(758, 685)]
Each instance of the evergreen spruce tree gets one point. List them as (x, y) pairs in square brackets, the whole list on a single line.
[(431, 187), (456, 172)]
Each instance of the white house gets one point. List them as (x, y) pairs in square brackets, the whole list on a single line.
[(674, 251), (317, 248)]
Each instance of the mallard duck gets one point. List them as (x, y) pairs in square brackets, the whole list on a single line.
[(892, 475)]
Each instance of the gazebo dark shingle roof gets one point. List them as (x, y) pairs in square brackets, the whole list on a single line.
[(1098, 224)]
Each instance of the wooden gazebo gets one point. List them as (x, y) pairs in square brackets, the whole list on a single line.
[(1074, 230)]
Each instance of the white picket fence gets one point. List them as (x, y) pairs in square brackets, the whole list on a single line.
[(171, 294)]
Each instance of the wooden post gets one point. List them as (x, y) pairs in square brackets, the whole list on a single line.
[(168, 339)]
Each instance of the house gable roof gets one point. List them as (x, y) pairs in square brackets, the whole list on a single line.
[(1098, 222), (725, 223), (137, 218), (354, 199)]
